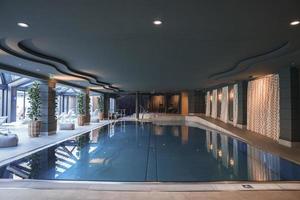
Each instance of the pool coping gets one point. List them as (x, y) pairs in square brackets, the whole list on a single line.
[(150, 186)]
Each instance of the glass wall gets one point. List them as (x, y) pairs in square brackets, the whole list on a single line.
[(22, 105), (112, 105)]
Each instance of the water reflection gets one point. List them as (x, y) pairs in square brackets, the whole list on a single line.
[(261, 166), (131, 151)]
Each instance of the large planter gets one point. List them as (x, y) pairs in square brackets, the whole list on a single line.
[(81, 120), (101, 115), (87, 119), (34, 128)]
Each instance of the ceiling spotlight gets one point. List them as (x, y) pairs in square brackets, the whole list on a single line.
[(23, 25), (294, 23), (157, 22)]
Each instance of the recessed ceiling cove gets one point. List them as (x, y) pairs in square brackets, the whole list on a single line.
[(198, 44)]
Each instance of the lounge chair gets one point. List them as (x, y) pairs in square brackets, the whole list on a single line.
[(95, 116)]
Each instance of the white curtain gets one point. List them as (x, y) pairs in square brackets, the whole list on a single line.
[(214, 103), (224, 105), (235, 104), (207, 111), (263, 106)]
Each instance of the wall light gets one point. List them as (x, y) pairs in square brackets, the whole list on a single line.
[(211, 147), (231, 162), (211, 97), (231, 95), (220, 96)]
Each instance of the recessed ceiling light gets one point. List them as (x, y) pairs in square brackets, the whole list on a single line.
[(157, 22), (23, 25), (294, 23)]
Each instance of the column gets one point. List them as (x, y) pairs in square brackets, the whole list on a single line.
[(289, 107), (48, 107), (184, 103), (106, 105), (11, 104), (242, 104), (87, 106), (137, 109)]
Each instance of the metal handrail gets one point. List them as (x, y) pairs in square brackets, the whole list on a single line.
[(143, 111)]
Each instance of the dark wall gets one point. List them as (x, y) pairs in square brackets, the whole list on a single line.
[(197, 102)]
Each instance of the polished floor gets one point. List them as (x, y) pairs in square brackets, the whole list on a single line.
[(28, 194)]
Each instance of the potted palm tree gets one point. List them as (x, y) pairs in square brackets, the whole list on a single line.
[(101, 107), (34, 113), (81, 113)]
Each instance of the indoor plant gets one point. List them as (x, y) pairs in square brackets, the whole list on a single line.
[(34, 113), (87, 115), (81, 113), (101, 107)]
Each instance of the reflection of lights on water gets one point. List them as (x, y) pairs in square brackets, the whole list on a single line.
[(220, 153), (231, 162), (211, 147), (97, 161)]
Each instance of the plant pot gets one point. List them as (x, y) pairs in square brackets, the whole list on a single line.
[(101, 116), (34, 128), (81, 120), (87, 119)]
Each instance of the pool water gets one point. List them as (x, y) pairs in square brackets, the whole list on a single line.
[(131, 151)]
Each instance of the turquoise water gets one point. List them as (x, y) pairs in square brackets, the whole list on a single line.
[(131, 151)]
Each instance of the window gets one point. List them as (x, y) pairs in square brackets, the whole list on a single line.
[(22, 105), (112, 105)]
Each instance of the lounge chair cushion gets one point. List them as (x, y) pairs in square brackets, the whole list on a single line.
[(8, 140), (66, 126)]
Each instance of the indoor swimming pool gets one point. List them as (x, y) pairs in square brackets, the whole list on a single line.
[(148, 152)]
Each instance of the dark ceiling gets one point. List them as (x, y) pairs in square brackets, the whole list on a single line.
[(200, 43)]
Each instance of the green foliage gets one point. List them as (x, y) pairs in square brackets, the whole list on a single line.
[(35, 102), (80, 104), (101, 103), (88, 100)]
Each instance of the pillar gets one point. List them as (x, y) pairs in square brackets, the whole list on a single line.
[(184, 103), (48, 107), (137, 110), (289, 107), (11, 104), (242, 103), (87, 106), (106, 105)]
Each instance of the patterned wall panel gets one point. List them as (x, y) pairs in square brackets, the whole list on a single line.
[(207, 111), (214, 103), (224, 104), (263, 106), (235, 104)]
